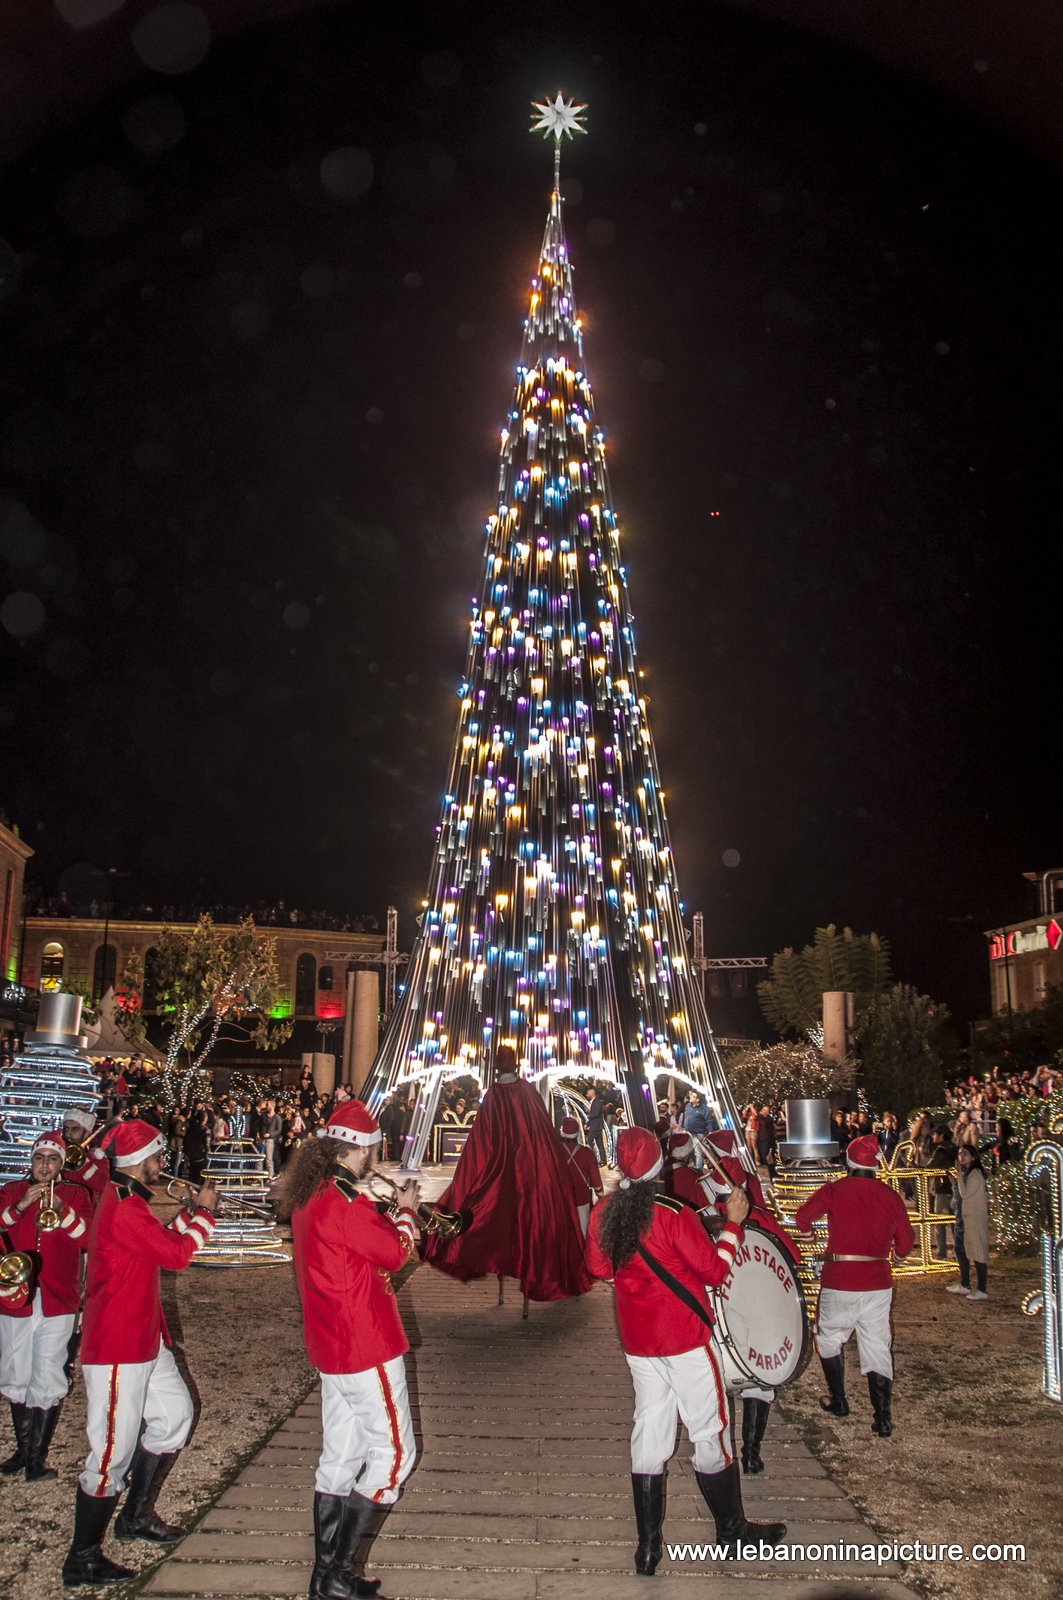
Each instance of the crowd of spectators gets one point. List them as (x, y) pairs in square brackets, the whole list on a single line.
[(278, 915), (982, 1095), (276, 1120)]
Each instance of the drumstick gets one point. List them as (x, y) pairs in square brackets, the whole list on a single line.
[(712, 1161)]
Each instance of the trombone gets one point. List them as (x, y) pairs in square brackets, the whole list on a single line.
[(76, 1156), (175, 1184)]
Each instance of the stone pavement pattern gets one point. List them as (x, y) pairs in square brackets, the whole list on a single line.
[(522, 1490)]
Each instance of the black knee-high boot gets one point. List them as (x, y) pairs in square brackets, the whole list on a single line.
[(880, 1389), (20, 1421), (363, 1520), (344, 1529), (86, 1562), (722, 1493), (137, 1518), (834, 1372), (41, 1426), (648, 1491), (754, 1422)]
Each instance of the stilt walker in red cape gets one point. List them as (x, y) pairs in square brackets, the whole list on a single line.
[(512, 1185)]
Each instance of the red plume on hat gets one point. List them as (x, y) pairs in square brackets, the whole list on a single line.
[(638, 1155), (864, 1153), (352, 1123)]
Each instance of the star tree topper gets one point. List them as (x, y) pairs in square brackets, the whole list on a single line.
[(559, 117)]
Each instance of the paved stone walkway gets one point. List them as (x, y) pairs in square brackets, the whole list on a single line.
[(522, 1492)]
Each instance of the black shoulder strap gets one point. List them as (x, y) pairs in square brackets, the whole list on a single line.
[(677, 1288)]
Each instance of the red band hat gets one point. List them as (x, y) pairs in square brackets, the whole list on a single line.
[(680, 1144), (132, 1142), (723, 1142), (352, 1123), (638, 1155), (864, 1153)]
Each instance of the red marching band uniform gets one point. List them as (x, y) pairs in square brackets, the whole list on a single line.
[(138, 1408), (866, 1220), (584, 1173), (94, 1173), (345, 1251), (707, 1192), (665, 1333), (38, 1319)]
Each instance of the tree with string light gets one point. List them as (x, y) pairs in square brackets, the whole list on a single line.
[(552, 919), (210, 983)]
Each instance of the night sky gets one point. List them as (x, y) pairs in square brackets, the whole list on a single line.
[(260, 319)]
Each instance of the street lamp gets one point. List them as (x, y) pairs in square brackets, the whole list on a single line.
[(1043, 879), (112, 873)]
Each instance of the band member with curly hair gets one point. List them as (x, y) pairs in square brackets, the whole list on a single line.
[(345, 1251), (660, 1258)]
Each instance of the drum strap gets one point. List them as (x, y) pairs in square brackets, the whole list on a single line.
[(831, 1256), (677, 1288)]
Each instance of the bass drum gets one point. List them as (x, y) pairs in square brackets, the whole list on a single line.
[(762, 1331)]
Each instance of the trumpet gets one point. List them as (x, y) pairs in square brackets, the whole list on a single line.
[(433, 1219), (191, 1190), (49, 1216)]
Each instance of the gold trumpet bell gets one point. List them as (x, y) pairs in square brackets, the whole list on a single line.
[(16, 1267), (49, 1216)]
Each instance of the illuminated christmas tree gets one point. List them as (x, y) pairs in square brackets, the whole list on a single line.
[(50, 1076), (552, 918)]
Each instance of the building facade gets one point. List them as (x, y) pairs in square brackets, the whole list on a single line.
[(89, 954), (1024, 959), (14, 854)]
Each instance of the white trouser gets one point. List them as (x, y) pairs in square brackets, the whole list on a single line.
[(584, 1215), (670, 1387), (33, 1356), (118, 1400), (867, 1312), (367, 1433)]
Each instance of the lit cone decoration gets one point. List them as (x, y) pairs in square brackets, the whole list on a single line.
[(50, 1076), (242, 1238), (552, 916)]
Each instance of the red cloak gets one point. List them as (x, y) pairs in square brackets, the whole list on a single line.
[(511, 1181)]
